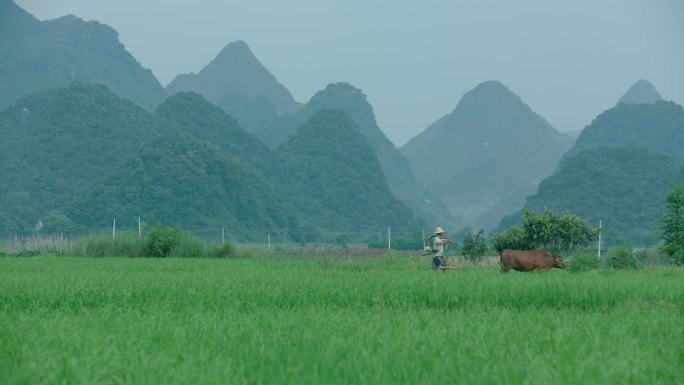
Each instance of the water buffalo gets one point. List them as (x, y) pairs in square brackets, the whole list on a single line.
[(529, 260)]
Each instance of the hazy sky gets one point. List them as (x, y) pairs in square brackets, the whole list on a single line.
[(568, 60)]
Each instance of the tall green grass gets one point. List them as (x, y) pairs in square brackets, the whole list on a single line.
[(124, 244), (383, 320)]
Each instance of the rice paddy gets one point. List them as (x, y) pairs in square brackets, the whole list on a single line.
[(384, 320)]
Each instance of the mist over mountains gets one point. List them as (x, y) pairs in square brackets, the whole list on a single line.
[(37, 54), (641, 92), (235, 80), (487, 155), (620, 169), (87, 135)]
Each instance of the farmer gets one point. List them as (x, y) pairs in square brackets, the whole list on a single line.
[(437, 246)]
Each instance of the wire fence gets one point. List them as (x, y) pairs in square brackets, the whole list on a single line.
[(260, 238), (256, 237)]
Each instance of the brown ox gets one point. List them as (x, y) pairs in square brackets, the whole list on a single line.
[(529, 260)]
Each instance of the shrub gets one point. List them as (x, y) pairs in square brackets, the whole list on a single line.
[(622, 258), (672, 225), (342, 241), (190, 246), (125, 244), (227, 250), (584, 261), (474, 247), (550, 231), (161, 242)]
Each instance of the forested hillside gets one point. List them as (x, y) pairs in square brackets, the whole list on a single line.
[(192, 113), (656, 126), (623, 187), (619, 170), (77, 157), (422, 201), (37, 54), (336, 178), (181, 181), (241, 86), (56, 142)]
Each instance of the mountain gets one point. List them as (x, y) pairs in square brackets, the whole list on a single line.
[(55, 142), (619, 171), (486, 156), (337, 178), (38, 54), (624, 188), (178, 180), (394, 165), (76, 157), (239, 84), (641, 92), (655, 126), (188, 112)]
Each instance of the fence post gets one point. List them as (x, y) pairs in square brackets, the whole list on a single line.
[(389, 239), (599, 239), (114, 229)]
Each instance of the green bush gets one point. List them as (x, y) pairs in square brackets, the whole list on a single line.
[(672, 225), (584, 261), (161, 241), (190, 246), (474, 247), (227, 250), (622, 258)]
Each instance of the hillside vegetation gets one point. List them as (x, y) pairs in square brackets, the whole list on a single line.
[(337, 179), (619, 171), (37, 54), (79, 156), (55, 143), (655, 126)]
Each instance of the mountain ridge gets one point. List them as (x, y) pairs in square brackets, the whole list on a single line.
[(490, 149), (38, 54), (618, 171)]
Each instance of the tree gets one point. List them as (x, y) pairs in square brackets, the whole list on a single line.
[(672, 225), (474, 247), (557, 234), (513, 238)]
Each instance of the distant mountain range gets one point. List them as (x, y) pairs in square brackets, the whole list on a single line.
[(240, 85), (486, 156), (641, 92), (334, 172), (37, 54), (233, 148), (78, 156), (620, 169)]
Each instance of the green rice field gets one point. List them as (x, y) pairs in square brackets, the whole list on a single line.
[(384, 320)]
